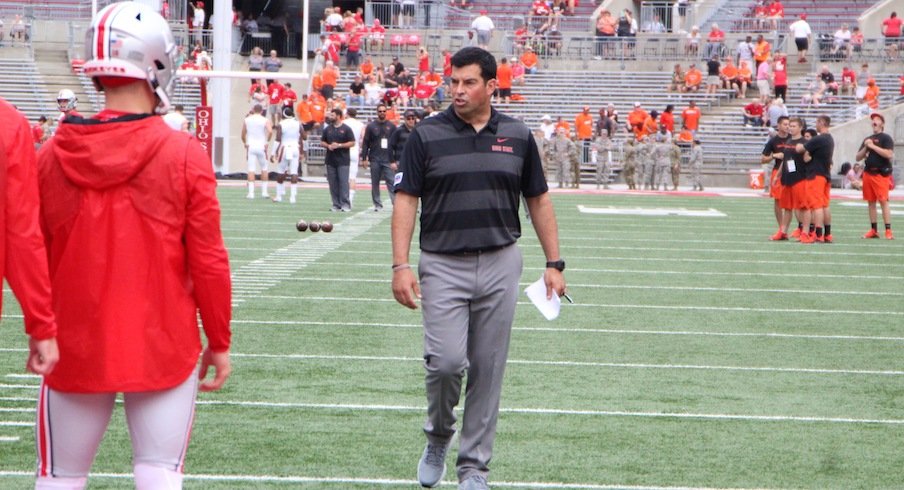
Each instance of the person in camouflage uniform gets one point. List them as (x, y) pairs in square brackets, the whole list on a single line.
[(675, 160), (695, 162), (661, 162), (601, 155), (645, 161), (630, 163), (562, 155)]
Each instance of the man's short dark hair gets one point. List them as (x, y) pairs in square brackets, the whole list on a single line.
[(178, 108), (337, 113), (352, 112), (825, 120), (473, 55), (780, 119)]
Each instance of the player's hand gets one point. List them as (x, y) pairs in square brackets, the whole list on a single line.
[(221, 365), (405, 288), (555, 282), (394, 166), (43, 356)]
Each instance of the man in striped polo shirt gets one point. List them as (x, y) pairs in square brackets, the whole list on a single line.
[(469, 167)]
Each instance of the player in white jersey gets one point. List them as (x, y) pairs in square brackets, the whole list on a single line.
[(255, 134), (291, 141), (358, 130)]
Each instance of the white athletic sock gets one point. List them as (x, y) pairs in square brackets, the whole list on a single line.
[(250, 188), (294, 189), (351, 197), (149, 477), (280, 189), (264, 185), (50, 483)]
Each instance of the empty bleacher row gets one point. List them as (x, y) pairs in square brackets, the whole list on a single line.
[(22, 86)]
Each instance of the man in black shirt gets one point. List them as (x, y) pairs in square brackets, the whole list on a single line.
[(468, 166), (794, 181), (774, 152), (355, 93), (818, 153), (713, 68), (878, 150), (337, 138), (377, 154)]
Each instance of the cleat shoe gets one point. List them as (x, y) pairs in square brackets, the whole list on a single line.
[(829, 239), (292, 200), (871, 234), (249, 196), (779, 236), (889, 235), (795, 233), (820, 239), (474, 482), (807, 238), (432, 467)]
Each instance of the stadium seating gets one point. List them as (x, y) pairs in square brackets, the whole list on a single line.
[(22, 86)]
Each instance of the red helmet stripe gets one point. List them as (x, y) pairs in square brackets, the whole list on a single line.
[(101, 37)]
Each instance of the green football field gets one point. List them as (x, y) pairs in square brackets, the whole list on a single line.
[(697, 355)]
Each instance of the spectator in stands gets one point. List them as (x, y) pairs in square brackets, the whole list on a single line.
[(377, 34), (353, 50), (761, 51), (814, 94), (862, 77), (713, 69), (272, 64), (856, 40), (330, 76), (685, 137), (518, 72), (627, 30), (745, 52), (729, 76), (529, 60), (373, 91), (692, 45), (256, 59), (693, 79), (605, 125), (636, 119), (801, 32), (715, 42), (40, 131), (690, 117), (275, 92), (848, 80), (504, 81), (753, 114), (776, 110), (583, 128), (355, 93), (853, 176), (870, 100), (423, 60), (678, 83), (667, 119), (901, 82), (780, 76), (605, 31), (547, 126), (654, 25), (175, 119), (842, 42), (891, 29), (763, 74), (651, 124), (539, 10), (760, 14), (332, 20), (775, 12), (827, 80), (484, 27), (745, 78)]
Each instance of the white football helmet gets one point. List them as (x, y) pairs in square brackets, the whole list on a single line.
[(131, 40), (66, 100)]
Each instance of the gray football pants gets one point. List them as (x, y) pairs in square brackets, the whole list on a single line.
[(337, 178), (468, 306)]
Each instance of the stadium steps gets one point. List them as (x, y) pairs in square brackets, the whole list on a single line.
[(22, 86), (54, 67)]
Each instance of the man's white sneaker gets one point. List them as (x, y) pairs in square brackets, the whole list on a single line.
[(432, 467), (292, 200)]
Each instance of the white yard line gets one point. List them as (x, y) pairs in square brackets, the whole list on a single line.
[(383, 481)]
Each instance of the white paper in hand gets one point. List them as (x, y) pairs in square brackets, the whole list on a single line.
[(537, 294)]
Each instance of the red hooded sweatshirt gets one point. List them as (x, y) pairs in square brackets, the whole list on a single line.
[(132, 224), (23, 261)]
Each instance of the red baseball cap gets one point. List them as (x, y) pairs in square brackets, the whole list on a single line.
[(876, 115), (483, 12), (803, 16)]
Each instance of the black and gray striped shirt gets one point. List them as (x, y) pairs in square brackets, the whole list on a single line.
[(470, 183)]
